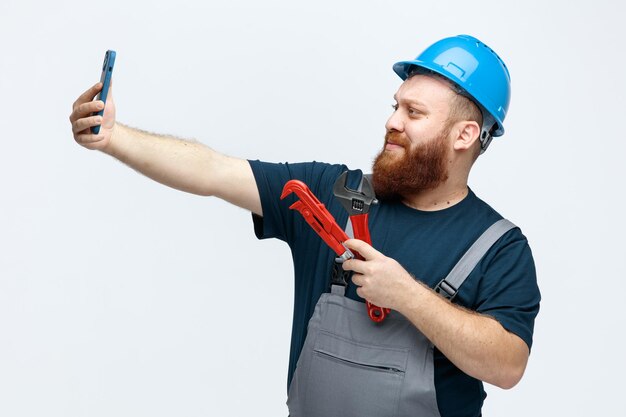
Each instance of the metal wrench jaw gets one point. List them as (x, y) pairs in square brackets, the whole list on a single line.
[(354, 201), (302, 191)]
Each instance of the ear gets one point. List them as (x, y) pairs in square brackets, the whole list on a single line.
[(467, 133)]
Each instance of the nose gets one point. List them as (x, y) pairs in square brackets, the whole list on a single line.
[(395, 122)]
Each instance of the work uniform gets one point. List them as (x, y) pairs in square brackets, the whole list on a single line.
[(428, 245)]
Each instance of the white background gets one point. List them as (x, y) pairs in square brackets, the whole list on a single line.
[(121, 297)]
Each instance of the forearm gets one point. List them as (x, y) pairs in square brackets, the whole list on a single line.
[(476, 344), (177, 163), (184, 165)]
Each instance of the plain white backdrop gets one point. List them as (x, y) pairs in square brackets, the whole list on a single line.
[(121, 297)]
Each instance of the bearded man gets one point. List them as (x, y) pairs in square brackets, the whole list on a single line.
[(441, 340)]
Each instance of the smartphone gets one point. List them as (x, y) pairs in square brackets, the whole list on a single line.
[(105, 79)]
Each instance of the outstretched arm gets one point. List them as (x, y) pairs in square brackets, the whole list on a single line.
[(475, 343), (181, 164)]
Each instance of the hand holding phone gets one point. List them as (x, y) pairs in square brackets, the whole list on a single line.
[(105, 79)]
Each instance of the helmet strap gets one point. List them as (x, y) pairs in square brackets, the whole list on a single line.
[(486, 136)]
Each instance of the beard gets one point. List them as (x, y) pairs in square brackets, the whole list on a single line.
[(424, 167)]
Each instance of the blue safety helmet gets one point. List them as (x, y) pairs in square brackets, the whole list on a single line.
[(476, 69)]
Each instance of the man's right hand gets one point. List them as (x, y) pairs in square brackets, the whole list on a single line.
[(82, 119)]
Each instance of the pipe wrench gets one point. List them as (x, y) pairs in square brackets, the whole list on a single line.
[(318, 217)]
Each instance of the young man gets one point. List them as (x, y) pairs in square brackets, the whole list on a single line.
[(431, 354)]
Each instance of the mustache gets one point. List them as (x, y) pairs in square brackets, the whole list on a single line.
[(396, 138)]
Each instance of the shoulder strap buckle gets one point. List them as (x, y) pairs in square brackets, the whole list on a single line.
[(449, 286), (446, 289)]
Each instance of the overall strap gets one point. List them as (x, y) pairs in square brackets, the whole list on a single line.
[(449, 286)]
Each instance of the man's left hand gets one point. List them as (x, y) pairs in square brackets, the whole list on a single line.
[(380, 280)]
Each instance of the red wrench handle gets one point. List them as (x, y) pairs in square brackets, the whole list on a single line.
[(377, 314), (362, 232), (361, 228)]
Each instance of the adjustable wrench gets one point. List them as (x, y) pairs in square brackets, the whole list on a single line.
[(357, 203)]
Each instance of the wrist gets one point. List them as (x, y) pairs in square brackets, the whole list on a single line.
[(411, 297), (109, 149)]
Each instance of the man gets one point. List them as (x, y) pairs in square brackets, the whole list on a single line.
[(430, 356)]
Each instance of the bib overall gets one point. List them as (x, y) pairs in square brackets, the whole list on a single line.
[(351, 366)]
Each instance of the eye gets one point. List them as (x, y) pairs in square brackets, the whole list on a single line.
[(394, 107), (414, 112)]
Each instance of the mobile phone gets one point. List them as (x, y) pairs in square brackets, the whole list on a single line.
[(105, 79)]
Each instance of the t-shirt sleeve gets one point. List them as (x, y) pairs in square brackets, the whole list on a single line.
[(508, 288), (278, 220)]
